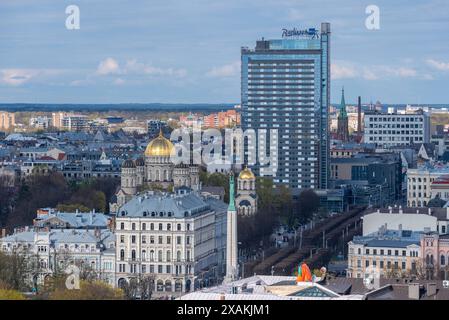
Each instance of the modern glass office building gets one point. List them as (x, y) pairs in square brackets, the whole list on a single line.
[(286, 86)]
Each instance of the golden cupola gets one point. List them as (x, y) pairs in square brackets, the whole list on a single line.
[(159, 147), (246, 174)]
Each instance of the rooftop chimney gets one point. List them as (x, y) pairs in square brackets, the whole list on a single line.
[(359, 116)]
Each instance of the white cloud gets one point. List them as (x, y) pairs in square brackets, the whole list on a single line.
[(439, 65), (295, 15), (347, 70), (108, 66), (17, 77), (225, 71), (341, 71), (135, 67), (369, 74), (378, 72), (401, 72), (119, 81)]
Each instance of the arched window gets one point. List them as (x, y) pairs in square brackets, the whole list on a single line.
[(168, 286), (178, 227), (122, 255), (144, 226), (160, 286), (144, 255), (133, 255), (443, 260), (152, 255), (160, 226), (169, 227), (178, 256), (159, 255), (168, 255), (188, 226), (152, 226), (178, 285)]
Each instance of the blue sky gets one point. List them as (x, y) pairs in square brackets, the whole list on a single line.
[(189, 51)]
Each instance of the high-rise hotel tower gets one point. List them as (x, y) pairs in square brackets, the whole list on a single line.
[(286, 86)]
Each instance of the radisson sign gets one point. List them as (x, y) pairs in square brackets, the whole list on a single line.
[(311, 32)]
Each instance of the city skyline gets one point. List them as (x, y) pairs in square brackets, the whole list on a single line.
[(160, 52)]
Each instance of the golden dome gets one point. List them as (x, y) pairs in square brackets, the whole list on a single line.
[(159, 147), (246, 174)]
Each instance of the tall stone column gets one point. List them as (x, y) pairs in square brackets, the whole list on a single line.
[(231, 235)]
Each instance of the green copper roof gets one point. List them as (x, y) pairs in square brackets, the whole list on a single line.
[(343, 113), (231, 206)]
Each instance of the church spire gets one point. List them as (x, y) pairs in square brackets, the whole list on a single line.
[(343, 113)]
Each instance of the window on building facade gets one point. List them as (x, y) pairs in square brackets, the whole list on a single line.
[(133, 255)]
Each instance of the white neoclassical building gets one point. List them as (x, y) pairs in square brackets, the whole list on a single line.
[(56, 249), (420, 183), (155, 168), (178, 239)]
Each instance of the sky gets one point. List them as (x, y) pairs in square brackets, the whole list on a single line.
[(189, 51)]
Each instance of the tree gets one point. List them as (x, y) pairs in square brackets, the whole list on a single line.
[(17, 269), (436, 202), (308, 203), (264, 190), (141, 287), (256, 228), (37, 191), (216, 179), (89, 290), (284, 203), (72, 207), (6, 294)]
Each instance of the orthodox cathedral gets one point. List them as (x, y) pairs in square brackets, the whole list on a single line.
[(155, 169), (246, 197)]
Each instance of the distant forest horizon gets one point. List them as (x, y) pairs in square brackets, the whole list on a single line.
[(177, 107)]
